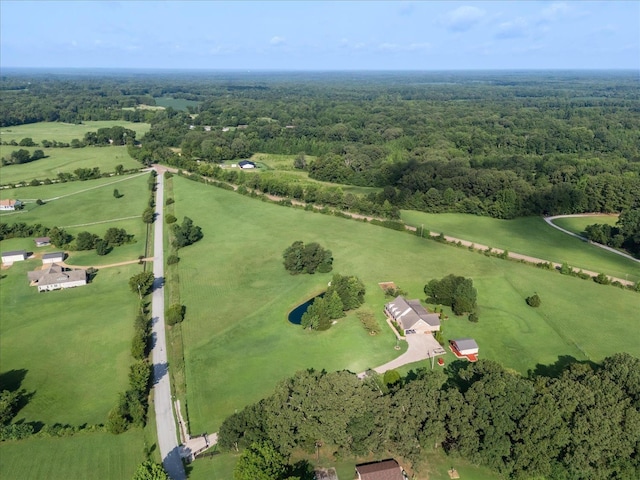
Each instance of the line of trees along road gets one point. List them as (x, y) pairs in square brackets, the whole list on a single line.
[(570, 420)]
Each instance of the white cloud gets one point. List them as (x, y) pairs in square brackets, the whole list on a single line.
[(277, 40), (411, 47), (462, 18), (512, 29)]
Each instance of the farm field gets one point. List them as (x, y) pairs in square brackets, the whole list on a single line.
[(73, 204), (64, 132), (239, 344), (64, 160), (175, 103), (72, 346), (529, 236), (578, 224), (89, 456)]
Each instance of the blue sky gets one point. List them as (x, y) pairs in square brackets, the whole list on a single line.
[(308, 35)]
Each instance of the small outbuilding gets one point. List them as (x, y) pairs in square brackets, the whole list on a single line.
[(13, 256), (54, 257), (383, 470), (246, 164), (465, 347), (10, 204), (42, 241)]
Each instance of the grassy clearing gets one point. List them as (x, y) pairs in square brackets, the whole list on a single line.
[(65, 160), (529, 236), (88, 456), (578, 224), (238, 343), (64, 132), (175, 103), (89, 202), (74, 344)]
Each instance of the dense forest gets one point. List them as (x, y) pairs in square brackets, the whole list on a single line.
[(502, 144), (568, 421)]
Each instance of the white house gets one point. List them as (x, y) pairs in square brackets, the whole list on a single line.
[(55, 277), (411, 316), (9, 204), (54, 257), (13, 256), (464, 348)]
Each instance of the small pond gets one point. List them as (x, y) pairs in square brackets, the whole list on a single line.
[(295, 316)]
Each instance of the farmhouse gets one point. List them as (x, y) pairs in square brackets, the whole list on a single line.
[(52, 257), (384, 470), (42, 241), (411, 316), (465, 347), (55, 277), (246, 164), (13, 256), (10, 204)]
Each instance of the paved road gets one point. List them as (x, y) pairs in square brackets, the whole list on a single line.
[(165, 422)]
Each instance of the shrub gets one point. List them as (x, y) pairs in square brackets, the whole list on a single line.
[(173, 259), (170, 219), (534, 301), (169, 201), (175, 314), (39, 202), (473, 317), (602, 279)]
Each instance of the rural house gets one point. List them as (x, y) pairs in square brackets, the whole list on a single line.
[(246, 164), (52, 257), (13, 256), (411, 316), (10, 204), (384, 470), (42, 241), (55, 277)]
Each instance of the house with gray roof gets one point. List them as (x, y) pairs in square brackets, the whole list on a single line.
[(42, 241), (384, 470), (411, 316), (56, 277)]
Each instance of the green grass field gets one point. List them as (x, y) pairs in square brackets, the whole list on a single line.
[(238, 343), (74, 344), (529, 236), (175, 103), (64, 132), (99, 456), (578, 224), (65, 160), (73, 204)]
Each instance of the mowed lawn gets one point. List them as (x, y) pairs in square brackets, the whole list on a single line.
[(72, 345), (578, 224), (65, 160), (64, 132), (99, 456), (73, 205), (239, 344), (529, 236)]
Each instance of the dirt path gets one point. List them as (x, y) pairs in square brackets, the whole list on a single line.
[(101, 221), (550, 220), (128, 262)]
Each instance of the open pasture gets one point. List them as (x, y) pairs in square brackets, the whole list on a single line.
[(239, 344), (72, 345), (64, 132), (577, 225), (175, 103), (88, 206), (91, 455), (528, 236), (64, 160)]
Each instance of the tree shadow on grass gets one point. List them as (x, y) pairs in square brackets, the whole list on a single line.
[(12, 379), (555, 369)]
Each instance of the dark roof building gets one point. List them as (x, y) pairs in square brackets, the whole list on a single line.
[(42, 241), (384, 470), (246, 164)]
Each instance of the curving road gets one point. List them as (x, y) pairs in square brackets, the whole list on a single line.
[(165, 422)]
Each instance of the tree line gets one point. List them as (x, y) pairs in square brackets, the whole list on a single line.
[(569, 420)]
